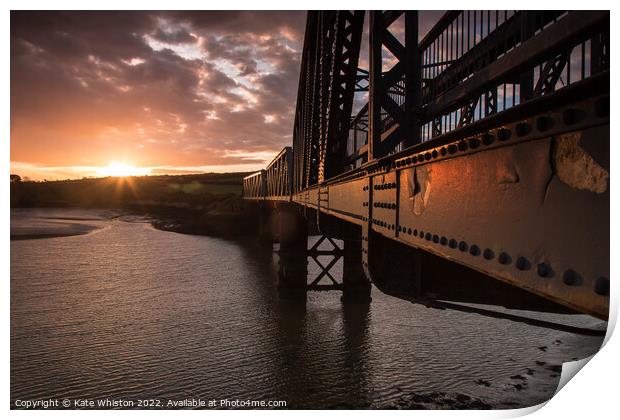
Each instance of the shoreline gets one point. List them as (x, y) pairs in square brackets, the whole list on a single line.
[(31, 236), (191, 221)]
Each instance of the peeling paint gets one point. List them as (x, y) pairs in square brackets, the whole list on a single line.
[(575, 167), (507, 175), (420, 188)]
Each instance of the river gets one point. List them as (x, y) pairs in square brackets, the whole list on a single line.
[(122, 310)]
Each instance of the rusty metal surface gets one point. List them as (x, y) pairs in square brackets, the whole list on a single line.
[(527, 203), (508, 213)]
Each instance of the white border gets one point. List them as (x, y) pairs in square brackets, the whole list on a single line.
[(591, 395)]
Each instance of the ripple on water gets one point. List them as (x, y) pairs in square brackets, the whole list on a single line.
[(132, 312)]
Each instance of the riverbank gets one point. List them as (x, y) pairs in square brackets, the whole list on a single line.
[(51, 223), (227, 220), (200, 204)]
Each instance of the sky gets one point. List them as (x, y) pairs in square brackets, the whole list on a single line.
[(114, 93)]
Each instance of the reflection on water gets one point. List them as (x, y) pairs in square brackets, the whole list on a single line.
[(131, 312)]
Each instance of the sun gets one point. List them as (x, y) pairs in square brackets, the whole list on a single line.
[(121, 169)]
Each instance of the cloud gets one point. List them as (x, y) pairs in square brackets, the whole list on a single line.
[(156, 89), (152, 88)]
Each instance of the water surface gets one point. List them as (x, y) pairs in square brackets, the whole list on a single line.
[(127, 311)]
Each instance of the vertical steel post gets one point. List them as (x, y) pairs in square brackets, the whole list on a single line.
[(374, 82), (413, 87)]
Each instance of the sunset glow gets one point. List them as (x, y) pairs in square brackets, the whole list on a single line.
[(123, 169), (170, 91)]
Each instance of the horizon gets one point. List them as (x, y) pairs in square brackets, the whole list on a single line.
[(152, 175)]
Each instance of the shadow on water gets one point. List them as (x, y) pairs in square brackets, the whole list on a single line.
[(307, 360), (356, 317)]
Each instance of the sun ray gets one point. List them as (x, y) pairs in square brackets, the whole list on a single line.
[(121, 169)]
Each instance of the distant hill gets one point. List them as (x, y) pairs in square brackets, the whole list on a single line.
[(196, 191)]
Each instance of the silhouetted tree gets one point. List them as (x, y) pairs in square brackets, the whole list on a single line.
[(15, 178)]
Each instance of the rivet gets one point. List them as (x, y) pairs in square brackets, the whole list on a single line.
[(474, 143), (543, 269), (522, 263), (522, 129), (443, 151), (544, 123), (488, 254), (570, 116), (474, 250), (452, 149), (571, 278), (436, 238), (488, 139), (463, 246), (504, 258), (601, 286), (452, 243), (503, 134), (443, 240)]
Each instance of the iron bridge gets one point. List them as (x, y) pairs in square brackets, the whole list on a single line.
[(485, 144)]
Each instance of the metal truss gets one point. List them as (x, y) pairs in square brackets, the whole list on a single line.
[(327, 85), (467, 112), (550, 75), (402, 81), (373, 170), (346, 33), (336, 252)]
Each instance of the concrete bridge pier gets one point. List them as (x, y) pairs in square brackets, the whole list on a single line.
[(292, 229), (265, 224), (355, 285)]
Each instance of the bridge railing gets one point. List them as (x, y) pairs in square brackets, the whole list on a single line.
[(478, 63), (275, 182), (255, 185), (474, 64), (279, 175)]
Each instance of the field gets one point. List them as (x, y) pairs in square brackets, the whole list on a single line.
[(200, 191)]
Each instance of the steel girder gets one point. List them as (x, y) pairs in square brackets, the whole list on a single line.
[(521, 195), (306, 134), (508, 201), (325, 98), (345, 47), (403, 127)]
